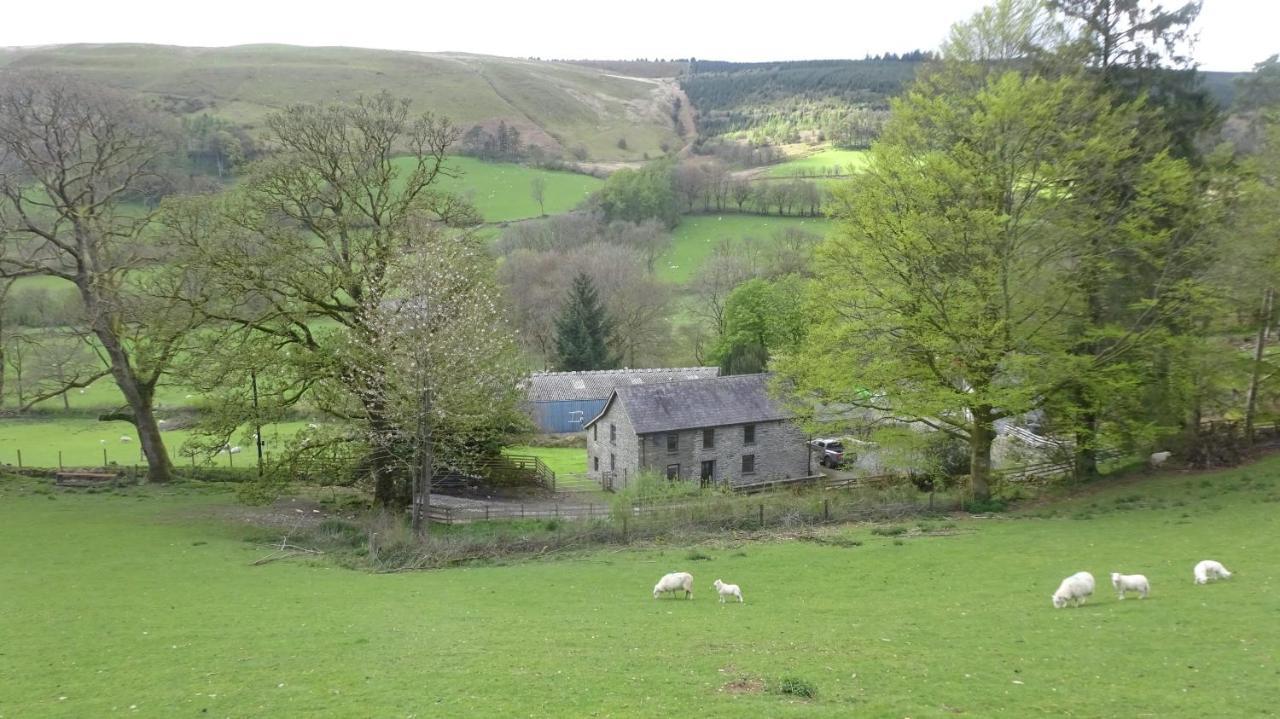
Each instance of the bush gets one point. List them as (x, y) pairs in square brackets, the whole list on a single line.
[(796, 687), (695, 555), (983, 506), (890, 531)]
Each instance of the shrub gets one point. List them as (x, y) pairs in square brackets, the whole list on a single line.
[(796, 687), (695, 555), (982, 506), (890, 531)]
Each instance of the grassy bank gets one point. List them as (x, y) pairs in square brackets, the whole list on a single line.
[(144, 602)]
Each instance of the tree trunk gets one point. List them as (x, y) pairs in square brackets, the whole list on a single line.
[(423, 475), (980, 438), (1255, 377), (137, 395)]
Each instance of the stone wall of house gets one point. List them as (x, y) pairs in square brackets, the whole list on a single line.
[(779, 450), (624, 448)]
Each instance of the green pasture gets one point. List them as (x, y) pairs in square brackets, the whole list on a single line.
[(82, 440), (823, 162), (695, 238), (501, 190), (144, 602)]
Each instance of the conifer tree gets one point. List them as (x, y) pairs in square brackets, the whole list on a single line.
[(584, 330)]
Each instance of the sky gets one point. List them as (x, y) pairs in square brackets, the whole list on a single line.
[(1233, 34)]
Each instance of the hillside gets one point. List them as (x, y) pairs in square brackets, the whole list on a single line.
[(558, 106)]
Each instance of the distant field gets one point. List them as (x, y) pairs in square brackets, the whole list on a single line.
[(501, 191), (81, 440), (144, 602), (697, 235), (824, 162)]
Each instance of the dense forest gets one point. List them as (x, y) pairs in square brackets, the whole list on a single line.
[(777, 102)]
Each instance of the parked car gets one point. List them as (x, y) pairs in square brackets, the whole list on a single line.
[(832, 451)]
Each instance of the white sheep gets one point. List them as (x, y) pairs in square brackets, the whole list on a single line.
[(673, 583), (125, 439), (1209, 569), (1075, 589), (233, 450), (728, 590), (312, 425), (1131, 583), (1158, 458)]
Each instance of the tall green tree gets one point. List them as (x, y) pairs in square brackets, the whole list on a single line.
[(299, 257), (761, 317), (946, 297), (584, 330)]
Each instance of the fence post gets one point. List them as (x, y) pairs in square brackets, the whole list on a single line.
[(826, 510), (624, 528), (19, 459), (59, 459), (104, 457), (486, 512), (762, 516), (522, 510)]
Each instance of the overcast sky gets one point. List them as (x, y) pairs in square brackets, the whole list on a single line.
[(1233, 34)]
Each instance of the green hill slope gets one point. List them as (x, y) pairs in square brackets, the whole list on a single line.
[(556, 105)]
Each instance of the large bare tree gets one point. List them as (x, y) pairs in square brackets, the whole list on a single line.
[(72, 156)]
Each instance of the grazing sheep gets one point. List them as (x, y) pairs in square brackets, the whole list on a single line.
[(673, 583), (728, 590), (233, 450), (1075, 589), (1209, 569), (312, 425), (1158, 458), (1130, 583), (125, 439)]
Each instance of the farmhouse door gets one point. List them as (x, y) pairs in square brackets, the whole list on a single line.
[(708, 474)]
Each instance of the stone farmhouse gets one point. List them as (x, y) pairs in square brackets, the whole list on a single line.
[(722, 430), (564, 401)]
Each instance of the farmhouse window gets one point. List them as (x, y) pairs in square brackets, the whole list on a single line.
[(673, 442), (613, 463), (709, 438), (613, 434), (748, 464), (748, 434), (673, 471), (595, 463)]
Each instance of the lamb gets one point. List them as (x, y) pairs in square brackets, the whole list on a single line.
[(1130, 583), (1158, 458), (728, 590), (673, 583), (1209, 569), (1075, 589)]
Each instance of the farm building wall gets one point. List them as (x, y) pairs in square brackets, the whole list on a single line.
[(560, 416), (779, 452)]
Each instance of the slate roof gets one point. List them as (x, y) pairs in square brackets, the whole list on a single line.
[(562, 386), (692, 404)]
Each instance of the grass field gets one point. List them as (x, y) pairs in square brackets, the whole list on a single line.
[(697, 235), (501, 191), (143, 602), (81, 441), (822, 162)]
